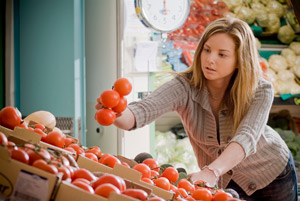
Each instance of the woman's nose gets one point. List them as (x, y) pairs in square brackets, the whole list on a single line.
[(211, 58)]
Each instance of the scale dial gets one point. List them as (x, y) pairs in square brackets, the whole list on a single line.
[(162, 15)]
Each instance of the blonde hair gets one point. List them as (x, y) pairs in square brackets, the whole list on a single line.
[(244, 81)]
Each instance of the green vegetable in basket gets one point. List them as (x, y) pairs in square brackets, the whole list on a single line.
[(286, 34)]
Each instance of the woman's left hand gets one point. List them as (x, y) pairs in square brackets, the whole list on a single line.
[(206, 175)]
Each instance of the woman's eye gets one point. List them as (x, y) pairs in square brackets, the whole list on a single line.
[(222, 55), (206, 50)]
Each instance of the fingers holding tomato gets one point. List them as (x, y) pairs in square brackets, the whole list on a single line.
[(111, 103)]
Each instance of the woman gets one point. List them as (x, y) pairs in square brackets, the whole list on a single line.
[(224, 105)]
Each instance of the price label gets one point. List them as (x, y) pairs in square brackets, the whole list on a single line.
[(30, 187)]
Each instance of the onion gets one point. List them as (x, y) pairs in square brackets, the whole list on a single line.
[(42, 117)]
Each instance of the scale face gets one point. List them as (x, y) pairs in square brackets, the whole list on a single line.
[(162, 15)]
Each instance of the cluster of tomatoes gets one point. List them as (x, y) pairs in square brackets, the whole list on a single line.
[(168, 179), (113, 102), (38, 157), (202, 12)]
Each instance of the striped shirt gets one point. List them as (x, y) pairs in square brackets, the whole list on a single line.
[(266, 154)]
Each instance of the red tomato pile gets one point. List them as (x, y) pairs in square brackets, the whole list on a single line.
[(202, 12), (168, 179), (113, 102)]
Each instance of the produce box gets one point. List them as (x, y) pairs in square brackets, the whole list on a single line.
[(34, 138), (20, 181), (5, 131), (67, 191), (124, 172)]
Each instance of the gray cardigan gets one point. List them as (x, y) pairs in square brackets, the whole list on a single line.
[(266, 153)]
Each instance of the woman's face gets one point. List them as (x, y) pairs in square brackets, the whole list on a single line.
[(218, 57)]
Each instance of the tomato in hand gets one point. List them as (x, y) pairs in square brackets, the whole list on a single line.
[(105, 117), (202, 194), (171, 174), (136, 193), (109, 98), (3, 139), (105, 189), (121, 105), (123, 86), (20, 155), (10, 117), (55, 138)]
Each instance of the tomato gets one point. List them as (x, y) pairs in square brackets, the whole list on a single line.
[(103, 156), (125, 164), (136, 193), (202, 194), (91, 156), (154, 174), (174, 190), (20, 155), (144, 169), (147, 180), (163, 183), (40, 126), (105, 117), (184, 183), (55, 138), (79, 150), (65, 171), (221, 196), (10, 117), (121, 105), (152, 163), (82, 180), (11, 145), (105, 189), (35, 154), (40, 132), (69, 140), (109, 98), (83, 173), (112, 179), (123, 86), (84, 186), (42, 164), (110, 161), (182, 192), (171, 174), (95, 150), (3, 139), (63, 160)]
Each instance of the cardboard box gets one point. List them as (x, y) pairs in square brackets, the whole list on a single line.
[(19, 179), (124, 172), (70, 192), (6, 131)]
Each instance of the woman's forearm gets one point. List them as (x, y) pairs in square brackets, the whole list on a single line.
[(126, 121), (231, 156)]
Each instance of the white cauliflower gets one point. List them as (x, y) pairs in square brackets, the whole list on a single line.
[(289, 55), (277, 62), (295, 46), (275, 7), (272, 76), (296, 67), (273, 23), (245, 13), (285, 75), (286, 34)]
